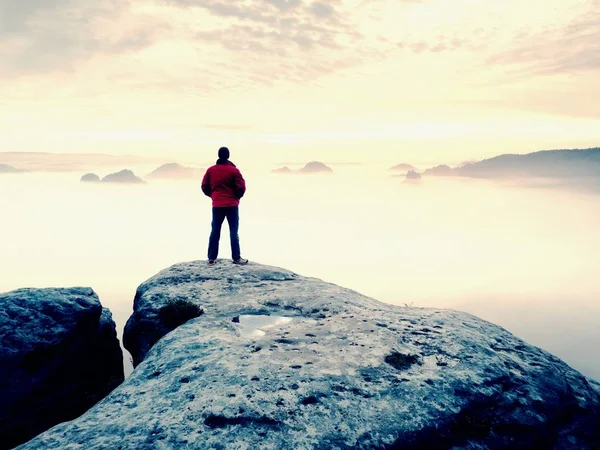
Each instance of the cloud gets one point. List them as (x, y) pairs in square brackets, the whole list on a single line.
[(251, 42), (16, 14), (439, 45), (256, 43), (259, 42), (225, 127), (323, 10), (183, 50), (570, 48), (275, 24), (43, 36)]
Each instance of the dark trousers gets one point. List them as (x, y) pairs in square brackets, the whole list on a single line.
[(233, 219)]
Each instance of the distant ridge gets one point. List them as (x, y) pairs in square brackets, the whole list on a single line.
[(5, 168), (90, 178), (442, 170), (284, 169), (403, 168), (574, 163), (71, 162), (124, 176), (175, 171), (316, 167), (413, 176), (309, 168), (546, 163)]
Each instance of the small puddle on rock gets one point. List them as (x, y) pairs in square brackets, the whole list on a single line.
[(257, 326)]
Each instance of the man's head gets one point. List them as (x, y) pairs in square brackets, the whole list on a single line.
[(224, 153)]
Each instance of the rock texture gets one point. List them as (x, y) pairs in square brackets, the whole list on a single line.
[(280, 361), (59, 355)]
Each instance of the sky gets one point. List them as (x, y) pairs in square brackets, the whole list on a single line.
[(343, 80)]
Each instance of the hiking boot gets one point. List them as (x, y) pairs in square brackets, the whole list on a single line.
[(240, 261), (211, 262)]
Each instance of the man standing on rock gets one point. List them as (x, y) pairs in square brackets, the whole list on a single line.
[(224, 184)]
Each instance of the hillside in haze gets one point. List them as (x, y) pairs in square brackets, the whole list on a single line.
[(5, 168), (413, 176), (316, 167), (284, 169), (90, 178), (311, 167), (403, 168), (125, 176), (549, 163), (442, 170), (68, 162), (175, 171)]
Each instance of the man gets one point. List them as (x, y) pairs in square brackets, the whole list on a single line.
[(224, 184)]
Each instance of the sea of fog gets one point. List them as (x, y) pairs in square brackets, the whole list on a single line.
[(524, 258)]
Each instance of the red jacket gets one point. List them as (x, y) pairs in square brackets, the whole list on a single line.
[(224, 183)]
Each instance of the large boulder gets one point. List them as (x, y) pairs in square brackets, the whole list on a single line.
[(281, 361), (59, 355)]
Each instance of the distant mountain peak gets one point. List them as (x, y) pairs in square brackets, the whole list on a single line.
[(90, 178), (545, 163), (403, 167), (175, 171), (316, 167), (284, 169), (5, 168), (125, 176)]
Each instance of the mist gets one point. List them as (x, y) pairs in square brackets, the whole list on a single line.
[(524, 258)]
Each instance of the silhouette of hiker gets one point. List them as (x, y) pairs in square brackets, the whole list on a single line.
[(224, 184)]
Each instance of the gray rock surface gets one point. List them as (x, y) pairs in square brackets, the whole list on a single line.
[(327, 369), (59, 355)]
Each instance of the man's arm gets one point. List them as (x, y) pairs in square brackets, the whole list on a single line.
[(206, 184), (240, 185)]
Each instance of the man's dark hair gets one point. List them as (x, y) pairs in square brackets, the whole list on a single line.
[(223, 153)]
